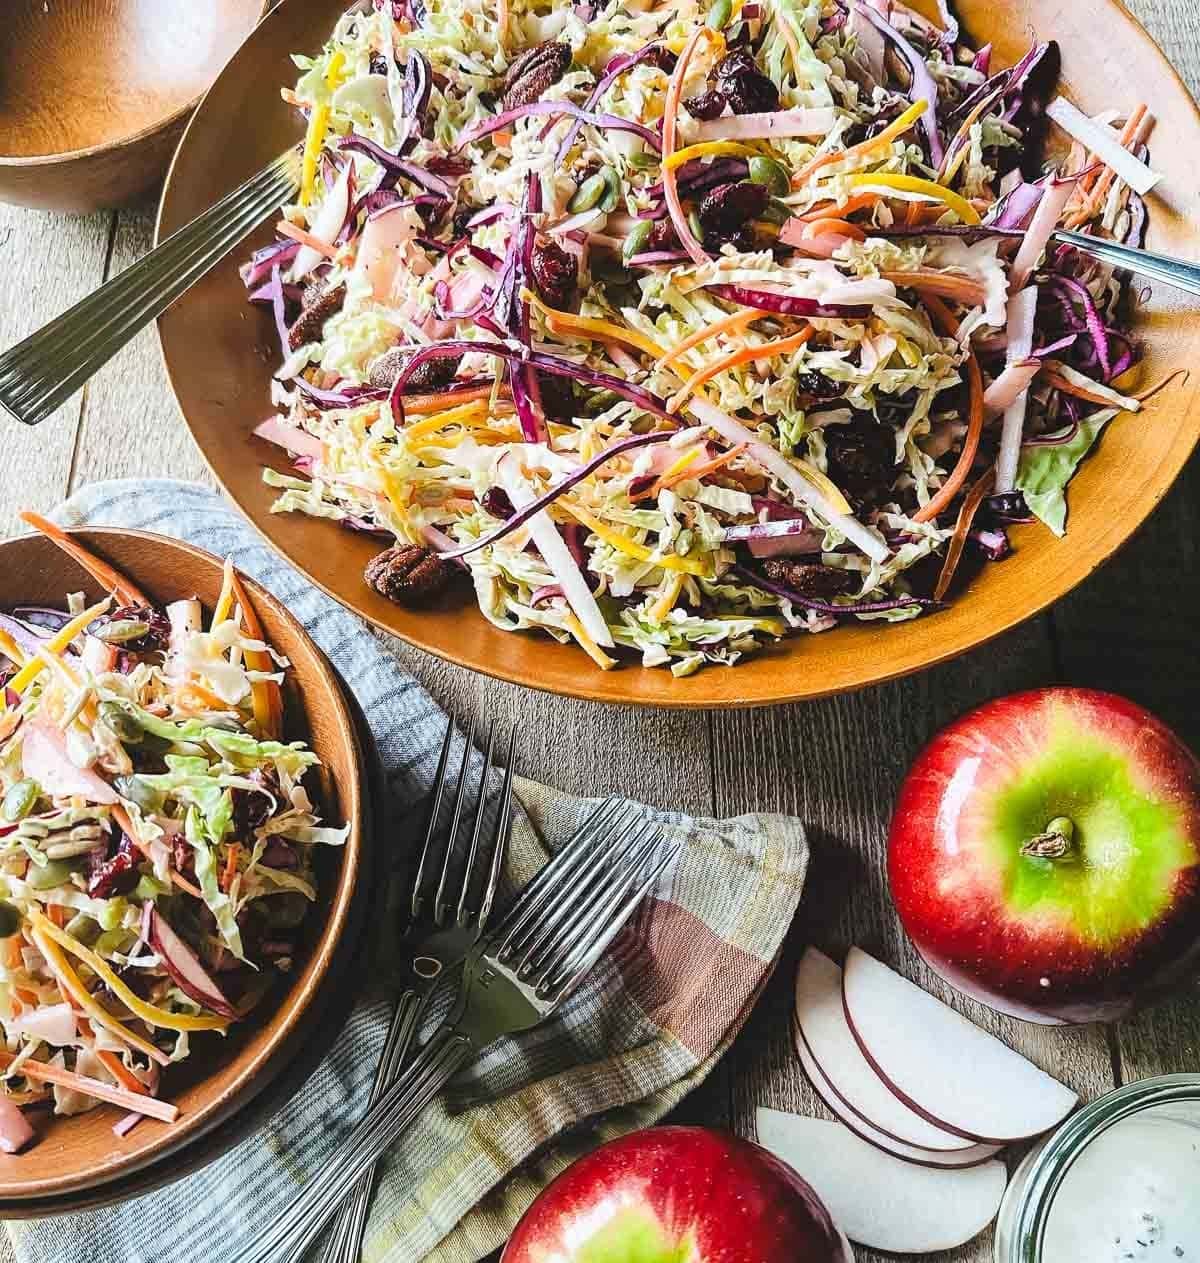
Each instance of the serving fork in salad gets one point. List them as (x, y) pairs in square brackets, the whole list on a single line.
[(514, 978)]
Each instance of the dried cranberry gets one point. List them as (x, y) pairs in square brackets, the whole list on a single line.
[(814, 387), (661, 57), (662, 236), (183, 857), (114, 874), (861, 458), (706, 105), (728, 206), (744, 86), (377, 65), (808, 578), (254, 807), (558, 397), (496, 502), (555, 273), (280, 854)]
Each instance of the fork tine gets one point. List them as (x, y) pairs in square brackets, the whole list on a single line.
[(500, 844), (434, 812), (460, 913), (569, 895), (534, 897), (599, 906), (605, 931), (460, 796)]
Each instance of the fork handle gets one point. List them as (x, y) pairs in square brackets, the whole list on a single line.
[(1178, 273), (345, 1241), (399, 1107)]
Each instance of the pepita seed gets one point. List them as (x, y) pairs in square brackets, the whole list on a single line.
[(122, 630), (683, 543), (126, 726), (10, 919), (20, 800), (635, 243), (774, 175), (588, 194), (719, 15)]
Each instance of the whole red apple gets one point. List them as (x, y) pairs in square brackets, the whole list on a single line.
[(1045, 855), (677, 1195)]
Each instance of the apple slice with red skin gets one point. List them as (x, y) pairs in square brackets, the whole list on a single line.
[(880, 1201), (971, 1156), (943, 1066), (677, 1195), (821, 1018), (1044, 856)]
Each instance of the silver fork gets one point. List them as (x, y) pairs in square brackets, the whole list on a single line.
[(515, 976), (441, 930), (49, 366)]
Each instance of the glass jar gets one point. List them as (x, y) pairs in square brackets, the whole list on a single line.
[(1117, 1182)]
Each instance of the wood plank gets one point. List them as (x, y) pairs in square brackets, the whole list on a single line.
[(1133, 627), (131, 426), (49, 262), (837, 765)]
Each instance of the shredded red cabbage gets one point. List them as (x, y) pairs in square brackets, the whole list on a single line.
[(608, 122), (615, 68), (396, 167), (258, 268), (827, 607), (789, 304), (521, 516)]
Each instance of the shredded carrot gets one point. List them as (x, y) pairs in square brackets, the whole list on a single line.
[(109, 579), (286, 228), (57, 913), (229, 872), (831, 210), (815, 227), (962, 528), (701, 471), (119, 1071), (891, 132), (949, 489), (1151, 391), (1092, 201), (268, 701), (745, 355), (140, 1102), (12, 952), (669, 127), (959, 289), (502, 139), (121, 816), (502, 15), (422, 405), (958, 145), (1059, 381), (735, 323), (196, 697)]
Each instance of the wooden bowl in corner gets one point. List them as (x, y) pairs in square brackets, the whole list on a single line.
[(95, 93), (80, 1157)]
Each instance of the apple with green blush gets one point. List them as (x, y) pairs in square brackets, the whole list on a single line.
[(1044, 856), (677, 1195)]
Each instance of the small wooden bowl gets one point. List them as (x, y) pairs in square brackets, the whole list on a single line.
[(81, 1155), (95, 93)]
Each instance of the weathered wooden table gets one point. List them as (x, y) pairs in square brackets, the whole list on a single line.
[(1133, 628)]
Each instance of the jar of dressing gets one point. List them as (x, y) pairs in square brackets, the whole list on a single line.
[(1119, 1182)]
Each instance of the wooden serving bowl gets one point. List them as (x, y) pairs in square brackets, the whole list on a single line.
[(95, 93), (220, 354), (78, 1160)]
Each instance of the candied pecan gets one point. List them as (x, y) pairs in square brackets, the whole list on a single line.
[(706, 105), (535, 70), (428, 375), (408, 574), (728, 206), (114, 874), (496, 502), (558, 397), (320, 302), (808, 578), (555, 272)]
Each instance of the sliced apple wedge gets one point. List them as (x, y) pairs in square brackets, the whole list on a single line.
[(876, 1199), (953, 1160), (943, 1066), (821, 1018)]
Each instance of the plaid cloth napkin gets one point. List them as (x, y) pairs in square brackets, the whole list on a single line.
[(643, 1031)]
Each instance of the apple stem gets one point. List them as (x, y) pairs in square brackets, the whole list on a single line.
[(1057, 842)]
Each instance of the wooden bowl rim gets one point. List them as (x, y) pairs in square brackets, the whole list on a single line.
[(793, 687), (66, 156), (222, 1107)]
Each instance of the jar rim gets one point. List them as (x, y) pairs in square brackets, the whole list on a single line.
[(1051, 1164)]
